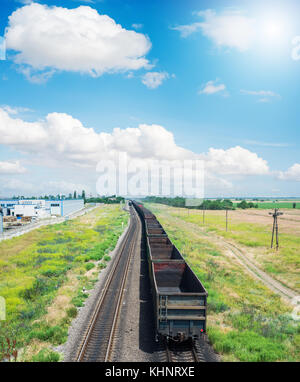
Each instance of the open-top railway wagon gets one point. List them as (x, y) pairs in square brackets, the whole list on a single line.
[(179, 297)]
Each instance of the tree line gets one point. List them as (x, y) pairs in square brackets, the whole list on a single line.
[(113, 199), (106, 199), (219, 204)]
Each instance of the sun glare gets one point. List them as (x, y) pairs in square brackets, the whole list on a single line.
[(274, 29)]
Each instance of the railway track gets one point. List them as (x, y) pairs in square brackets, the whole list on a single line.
[(98, 341), (182, 352)]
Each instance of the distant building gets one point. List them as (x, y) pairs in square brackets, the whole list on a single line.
[(40, 208), (64, 207)]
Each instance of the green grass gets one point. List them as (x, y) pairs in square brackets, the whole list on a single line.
[(246, 321), (46, 355), (270, 205), (283, 264), (34, 266), (247, 346), (89, 266)]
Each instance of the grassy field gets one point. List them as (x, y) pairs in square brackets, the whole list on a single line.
[(251, 230), (42, 275), (270, 205), (246, 321), (276, 204)]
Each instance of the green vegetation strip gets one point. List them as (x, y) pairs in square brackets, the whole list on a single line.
[(246, 321), (283, 264), (35, 266)]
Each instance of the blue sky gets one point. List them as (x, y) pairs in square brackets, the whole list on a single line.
[(221, 76)]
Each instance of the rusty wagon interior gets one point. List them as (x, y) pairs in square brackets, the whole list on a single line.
[(176, 277)]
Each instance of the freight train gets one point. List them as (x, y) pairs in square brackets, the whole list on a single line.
[(179, 298)]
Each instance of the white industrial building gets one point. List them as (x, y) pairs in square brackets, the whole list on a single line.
[(40, 208)]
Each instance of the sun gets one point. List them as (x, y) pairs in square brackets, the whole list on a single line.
[(273, 29)]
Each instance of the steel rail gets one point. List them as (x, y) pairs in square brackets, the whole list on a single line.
[(121, 293), (195, 354), (105, 289), (175, 355)]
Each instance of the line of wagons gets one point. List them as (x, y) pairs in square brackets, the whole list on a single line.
[(179, 298)]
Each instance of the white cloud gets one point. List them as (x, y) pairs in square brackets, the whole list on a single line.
[(86, 1), (293, 173), (296, 49), (63, 141), (65, 138), (55, 38), (21, 187), (263, 95), (17, 185), (235, 161), (15, 110), (229, 29), (266, 144), (25, 2), (34, 76), (18, 133), (63, 187), (154, 79), (186, 30), (211, 87), (216, 184), (137, 26), (11, 167), (2, 49)]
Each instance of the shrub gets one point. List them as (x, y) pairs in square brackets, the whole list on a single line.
[(89, 266), (72, 312), (217, 306), (78, 300), (46, 355), (247, 346), (40, 286), (54, 334)]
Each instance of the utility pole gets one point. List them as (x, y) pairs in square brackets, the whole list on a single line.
[(275, 215), (203, 214)]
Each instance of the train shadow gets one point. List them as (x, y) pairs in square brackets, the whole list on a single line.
[(147, 324)]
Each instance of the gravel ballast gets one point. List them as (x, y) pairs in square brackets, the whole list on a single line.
[(79, 325)]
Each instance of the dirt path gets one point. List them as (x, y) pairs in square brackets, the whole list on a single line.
[(273, 284), (230, 249)]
